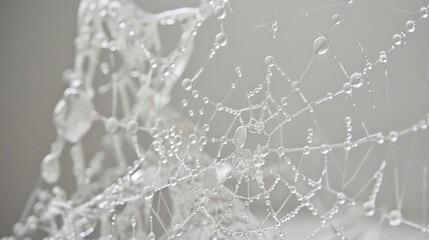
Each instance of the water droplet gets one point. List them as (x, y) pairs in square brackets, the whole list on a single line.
[(356, 80), (410, 26), (395, 218), (310, 132), (324, 149), (341, 198), (382, 57), (397, 39), (321, 45), (221, 39), (178, 230), (132, 127), (269, 60), (151, 236), (240, 136), (369, 208), (111, 125), (424, 12), (274, 26), (220, 12), (284, 101), (238, 72), (50, 169), (72, 115), (296, 85), (187, 84), (347, 88), (393, 136), (336, 19), (148, 192)]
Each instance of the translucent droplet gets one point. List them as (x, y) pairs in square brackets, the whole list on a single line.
[(151, 236), (296, 85), (356, 80), (397, 39), (187, 84), (410, 26), (111, 125), (238, 72), (347, 88), (393, 136), (284, 101), (220, 12), (395, 218), (321, 45), (50, 168), (72, 115), (132, 127), (178, 230), (369, 208), (269, 60), (240, 136), (382, 57), (148, 192), (310, 132), (341, 198), (324, 149), (424, 12), (336, 19), (274, 26), (221, 39)]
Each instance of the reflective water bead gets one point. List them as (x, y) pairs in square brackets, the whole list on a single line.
[(187, 84), (148, 192), (238, 72), (296, 85), (184, 102), (410, 26), (151, 236), (397, 39), (395, 217), (347, 88), (321, 45), (274, 26), (220, 12), (195, 93), (240, 136), (178, 230), (132, 127), (72, 115), (111, 125), (284, 101), (356, 80), (206, 127), (324, 149), (341, 198), (310, 132), (50, 168), (269, 60), (336, 19), (393, 136), (382, 57), (348, 120), (424, 12), (369, 208), (221, 39)]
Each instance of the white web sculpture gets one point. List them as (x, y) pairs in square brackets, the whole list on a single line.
[(209, 135)]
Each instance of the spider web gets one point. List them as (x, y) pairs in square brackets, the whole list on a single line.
[(240, 120)]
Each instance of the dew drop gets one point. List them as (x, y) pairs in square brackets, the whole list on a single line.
[(382, 57), (220, 12), (50, 169), (395, 218), (269, 60), (424, 12), (72, 115), (187, 84), (148, 192), (284, 101), (369, 208), (347, 88), (221, 39), (410, 26), (393, 136), (397, 39), (240, 136), (111, 125), (178, 230), (321, 45), (336, 19), (356, 80)]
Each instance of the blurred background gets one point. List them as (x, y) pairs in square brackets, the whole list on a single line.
[(36, 46)]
